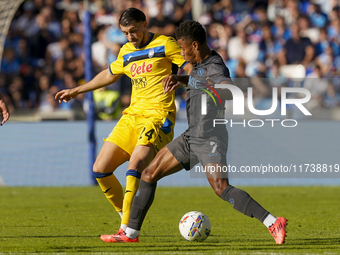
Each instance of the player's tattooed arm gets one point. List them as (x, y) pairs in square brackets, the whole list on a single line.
[(172, 82), (102, 79)]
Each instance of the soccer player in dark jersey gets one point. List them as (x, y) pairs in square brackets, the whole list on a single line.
[(4, 113), (196, 144)]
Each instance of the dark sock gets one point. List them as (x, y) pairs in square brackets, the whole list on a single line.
[(244, 203), (141, 204)]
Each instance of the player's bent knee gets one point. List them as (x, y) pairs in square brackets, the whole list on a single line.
[(154, 171), (98, 167), (218, 185), (150, 174), (218, 191)]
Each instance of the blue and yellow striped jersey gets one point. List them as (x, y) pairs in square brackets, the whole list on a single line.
[(147, 66)]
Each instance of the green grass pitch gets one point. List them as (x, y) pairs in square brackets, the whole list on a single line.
[(70, 220)]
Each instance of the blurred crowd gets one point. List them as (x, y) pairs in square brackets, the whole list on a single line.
[(258, 39)]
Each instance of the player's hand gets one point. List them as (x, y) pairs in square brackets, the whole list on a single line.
[(210, 82), (170, 83), (4, 112), (66, 95)]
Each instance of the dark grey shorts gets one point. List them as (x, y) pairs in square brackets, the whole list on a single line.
[(189, 151)]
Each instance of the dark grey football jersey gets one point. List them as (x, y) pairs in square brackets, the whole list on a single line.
[(201, 125)]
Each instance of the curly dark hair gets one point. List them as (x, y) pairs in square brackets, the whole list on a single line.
[(191, 30), (130, 15)]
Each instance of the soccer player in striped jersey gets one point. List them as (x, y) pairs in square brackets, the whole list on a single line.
[(147, 124)]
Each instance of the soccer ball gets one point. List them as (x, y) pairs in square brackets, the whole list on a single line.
[(195, 226)]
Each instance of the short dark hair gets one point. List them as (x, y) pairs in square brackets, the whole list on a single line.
[(130, 15), (191, 30)]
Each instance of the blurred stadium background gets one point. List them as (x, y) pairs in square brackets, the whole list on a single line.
[(265, 44)]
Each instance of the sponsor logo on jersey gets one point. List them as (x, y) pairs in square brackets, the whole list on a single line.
[(140, 69), (139, 83), (202, 86)]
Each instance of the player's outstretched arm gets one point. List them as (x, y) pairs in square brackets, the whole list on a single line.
[(102, 79), (3, 110), (172, 82)]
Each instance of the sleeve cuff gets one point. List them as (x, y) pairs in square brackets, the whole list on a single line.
[(185, 63), (110, 70)]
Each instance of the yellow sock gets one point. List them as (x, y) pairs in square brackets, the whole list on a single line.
[(132, 184), (112, 190)]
